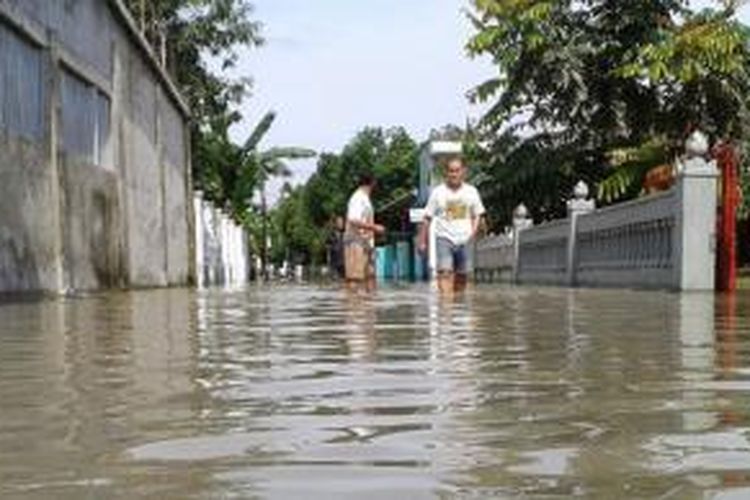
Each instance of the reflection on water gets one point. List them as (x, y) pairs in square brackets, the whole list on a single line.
[(311, 392)]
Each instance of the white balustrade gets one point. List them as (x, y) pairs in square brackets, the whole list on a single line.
[(665, 240)]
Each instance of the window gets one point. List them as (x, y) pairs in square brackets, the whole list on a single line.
[(85, 119), (21, 86)]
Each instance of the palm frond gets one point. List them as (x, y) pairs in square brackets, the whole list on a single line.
[(630, 166), (288, 153), (259, 132)]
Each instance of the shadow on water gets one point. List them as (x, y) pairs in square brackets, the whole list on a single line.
[(290, 391)]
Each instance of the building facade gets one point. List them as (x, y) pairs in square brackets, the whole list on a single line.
[(95, 188)]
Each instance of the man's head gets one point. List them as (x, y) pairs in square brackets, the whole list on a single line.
[(455, 172), (367, 182)]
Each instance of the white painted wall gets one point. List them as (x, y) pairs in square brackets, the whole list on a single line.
[(221, 250)]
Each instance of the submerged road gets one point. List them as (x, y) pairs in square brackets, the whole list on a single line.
[(307, 392)]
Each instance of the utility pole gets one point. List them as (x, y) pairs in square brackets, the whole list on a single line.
[(264, 232)]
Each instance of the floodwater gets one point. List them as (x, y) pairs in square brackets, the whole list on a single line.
[(307, 392)]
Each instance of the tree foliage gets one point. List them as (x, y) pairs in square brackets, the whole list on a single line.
[(188, 35), (196, 41), (578, 81), (304, 218)]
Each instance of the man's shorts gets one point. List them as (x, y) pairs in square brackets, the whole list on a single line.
[(358, 260), (451, 257)]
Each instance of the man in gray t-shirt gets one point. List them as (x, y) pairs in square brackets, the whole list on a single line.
[(456, 210)]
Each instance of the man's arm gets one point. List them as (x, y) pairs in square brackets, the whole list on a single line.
[(478, 213), (424, 228), (424, 231), (367, 226), (476, 225)]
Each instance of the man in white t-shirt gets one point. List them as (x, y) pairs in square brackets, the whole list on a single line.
[(456, 209), (359, 236)]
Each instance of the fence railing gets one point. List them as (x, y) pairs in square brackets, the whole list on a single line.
[(629, 244), (543, 253), (495, 258), (666, 240)]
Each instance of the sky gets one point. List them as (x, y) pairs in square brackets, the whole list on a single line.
[(331, 67)]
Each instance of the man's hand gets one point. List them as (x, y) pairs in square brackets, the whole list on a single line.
[(478, 228), (378, 229), (424, 230)]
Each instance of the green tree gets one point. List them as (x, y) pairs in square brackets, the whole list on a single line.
[(295, 238), (191, 38), (256, 168), (579, 82), (306, 217), (391, 156)]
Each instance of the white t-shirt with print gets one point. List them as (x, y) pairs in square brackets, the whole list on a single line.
[(452, 211), (359, 209)]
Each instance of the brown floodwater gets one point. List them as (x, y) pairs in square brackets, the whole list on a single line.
[(307, 392)]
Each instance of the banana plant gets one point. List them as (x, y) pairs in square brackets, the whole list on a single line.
[(629, 167), (260, 166)]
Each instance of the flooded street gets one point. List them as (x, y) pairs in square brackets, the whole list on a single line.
[(307, 392)]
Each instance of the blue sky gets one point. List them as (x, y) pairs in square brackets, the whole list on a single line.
[(331, 67)]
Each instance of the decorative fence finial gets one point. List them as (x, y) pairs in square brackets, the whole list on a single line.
[(521, 212), (695, 160), (581, 191), (580, 202), (521, 218), (696, 145)]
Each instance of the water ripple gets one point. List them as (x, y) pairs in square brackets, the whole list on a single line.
[(289, 391)]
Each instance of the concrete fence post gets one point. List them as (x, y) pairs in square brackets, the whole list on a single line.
[(578, 205), (218, 261), (225, 255), (521, 221), (245, 255), (695, 231), (231, 263), (199, 227)]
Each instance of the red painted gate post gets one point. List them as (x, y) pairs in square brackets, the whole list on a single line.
[(726, 251)]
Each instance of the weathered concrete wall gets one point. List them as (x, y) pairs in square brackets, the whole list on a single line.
[(143, 176), (178, 194), (29, 223), (112, 209), (30, 246), (91, 227)]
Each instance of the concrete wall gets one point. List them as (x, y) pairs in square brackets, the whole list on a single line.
[(29, 218), (83, 211)]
